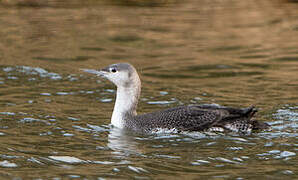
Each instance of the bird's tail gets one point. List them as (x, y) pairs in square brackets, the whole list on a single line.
[(250, 111)]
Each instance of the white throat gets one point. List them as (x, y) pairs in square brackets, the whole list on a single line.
[(125, 105)]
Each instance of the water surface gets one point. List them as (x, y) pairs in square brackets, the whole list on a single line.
[(54, 118)]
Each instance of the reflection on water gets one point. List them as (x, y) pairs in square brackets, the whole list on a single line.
[(121, 143), (54, 118)]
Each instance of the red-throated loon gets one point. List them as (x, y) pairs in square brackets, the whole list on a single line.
[(181, 118)]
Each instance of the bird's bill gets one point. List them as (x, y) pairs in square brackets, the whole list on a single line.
[(96, 72)]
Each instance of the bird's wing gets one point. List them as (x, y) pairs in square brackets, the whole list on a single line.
[(185, 118)]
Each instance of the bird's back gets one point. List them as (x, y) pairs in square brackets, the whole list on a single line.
[(197, 118)]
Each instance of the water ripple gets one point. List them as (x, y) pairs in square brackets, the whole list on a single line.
[(67, 159), (8, 164), (33, 71)]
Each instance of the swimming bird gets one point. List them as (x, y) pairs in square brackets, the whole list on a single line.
[(182, 118)]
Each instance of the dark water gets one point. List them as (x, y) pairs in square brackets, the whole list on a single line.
[(54, 119)]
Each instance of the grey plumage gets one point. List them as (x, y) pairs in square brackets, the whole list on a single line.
[(181, 118), (197, 118)]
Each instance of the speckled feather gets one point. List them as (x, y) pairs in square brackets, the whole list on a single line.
[(195, 118)]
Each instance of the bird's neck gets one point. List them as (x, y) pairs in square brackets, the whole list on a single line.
[(125, 105)]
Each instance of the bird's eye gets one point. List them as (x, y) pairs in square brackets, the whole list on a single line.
[(113, 70)]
